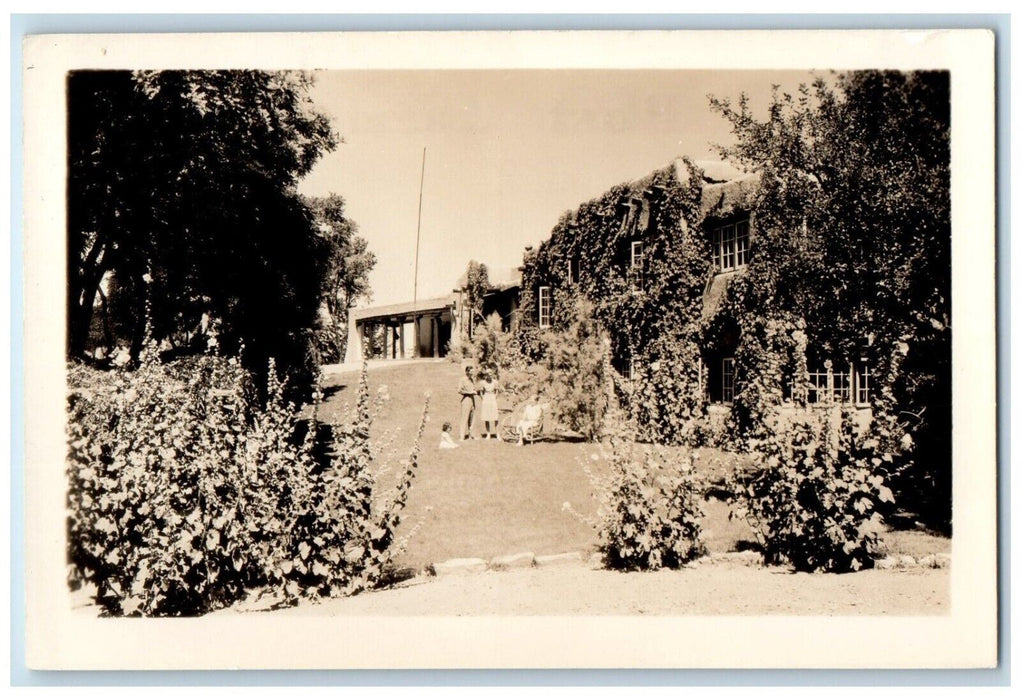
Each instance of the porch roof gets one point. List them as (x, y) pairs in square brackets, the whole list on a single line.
[(422, 307)]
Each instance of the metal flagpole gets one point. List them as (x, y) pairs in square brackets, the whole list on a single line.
[(418, 236)]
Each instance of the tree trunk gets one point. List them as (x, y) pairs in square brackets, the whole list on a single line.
[(79, 320), (82, 296)]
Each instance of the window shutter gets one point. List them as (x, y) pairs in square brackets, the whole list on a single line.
[(645, 218)]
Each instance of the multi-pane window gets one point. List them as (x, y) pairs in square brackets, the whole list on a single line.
[(818, 387), (730, 246), (863, 375), (841, 387), (741, 244), (545, 306), (727, 379), (637, 266), (830, 386)]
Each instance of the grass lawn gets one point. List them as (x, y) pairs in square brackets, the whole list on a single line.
[(490, 498)]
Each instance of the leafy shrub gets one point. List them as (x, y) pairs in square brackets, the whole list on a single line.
[(343, 534), (650, 503), (492, 348), (812, 500), (140, 481), (572, 373), (329, 344), (709, 430), (184, 492), (652, 511)]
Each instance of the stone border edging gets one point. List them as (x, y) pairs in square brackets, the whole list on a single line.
[(905, 561), (527, 560), (521, 560)]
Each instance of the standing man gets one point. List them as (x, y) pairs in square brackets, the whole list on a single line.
[(467, 391)]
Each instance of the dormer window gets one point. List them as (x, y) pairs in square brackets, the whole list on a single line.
[(632, 215), (573, 269), (633, 367), (730, 246)]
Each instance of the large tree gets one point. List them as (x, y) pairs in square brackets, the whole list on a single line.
[(853, 237), (181, 192)]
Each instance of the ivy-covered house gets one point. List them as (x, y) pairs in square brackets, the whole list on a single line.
[(664, 262)]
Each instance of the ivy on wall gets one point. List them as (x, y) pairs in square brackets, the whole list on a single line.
[(648, 300)]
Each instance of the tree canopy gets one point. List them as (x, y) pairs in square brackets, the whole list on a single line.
[(348, 264), (181, 192)]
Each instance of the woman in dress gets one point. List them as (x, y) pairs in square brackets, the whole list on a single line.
[(489, 389), (531, 419)]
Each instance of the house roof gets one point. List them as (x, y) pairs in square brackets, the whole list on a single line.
[(723, 198), (500, 278), (713, 171), (725, 186)]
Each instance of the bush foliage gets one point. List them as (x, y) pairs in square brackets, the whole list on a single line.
[(651, 511), (185, 492), (650, 503), (493, 349), (814, 495), (572, 374)]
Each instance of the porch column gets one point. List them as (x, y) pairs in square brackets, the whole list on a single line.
[(455, 329), (355, 331), (434, 326), (401, 337)]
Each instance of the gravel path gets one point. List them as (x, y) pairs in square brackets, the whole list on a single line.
[(711, 589)]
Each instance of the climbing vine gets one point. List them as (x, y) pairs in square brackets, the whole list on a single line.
[(846, 267), (630, 254)]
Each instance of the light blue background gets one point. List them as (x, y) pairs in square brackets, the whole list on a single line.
[(23, 25)]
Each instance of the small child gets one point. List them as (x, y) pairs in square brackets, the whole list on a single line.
[(446, 441)]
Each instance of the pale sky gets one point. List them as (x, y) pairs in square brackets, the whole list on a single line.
[(507, 153)]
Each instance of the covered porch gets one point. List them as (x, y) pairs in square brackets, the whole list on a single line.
[(412, 329)]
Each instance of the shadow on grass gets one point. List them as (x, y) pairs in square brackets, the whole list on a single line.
[(391, 576), (333, 390), (718, 489), (748, 546), (560, 438)]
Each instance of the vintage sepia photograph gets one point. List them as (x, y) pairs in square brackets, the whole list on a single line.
[(511, 342)]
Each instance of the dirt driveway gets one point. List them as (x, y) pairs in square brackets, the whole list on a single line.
[(710, 589)]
